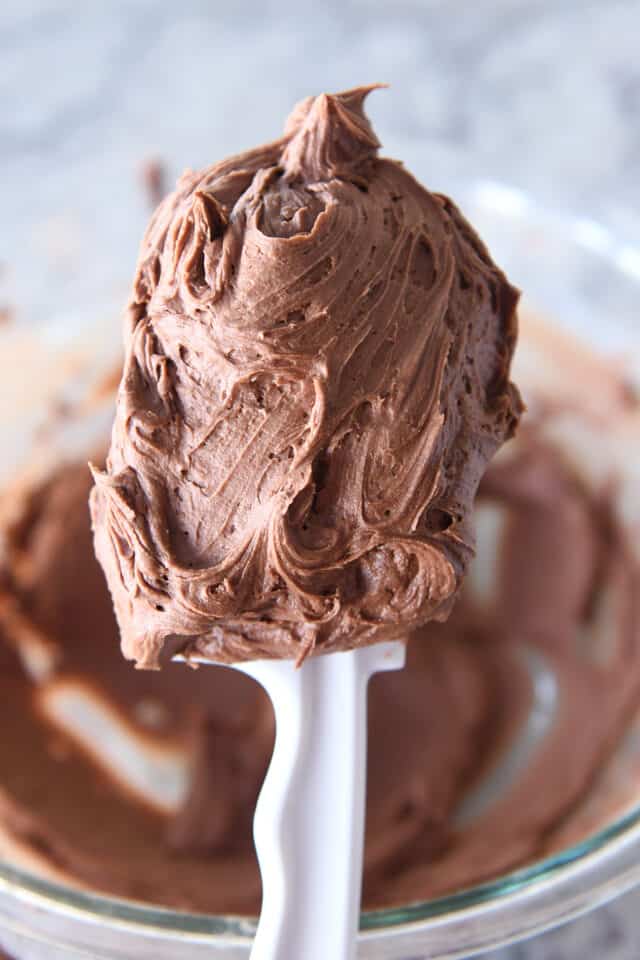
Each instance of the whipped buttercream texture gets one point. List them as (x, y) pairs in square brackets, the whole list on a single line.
[(316, 373)]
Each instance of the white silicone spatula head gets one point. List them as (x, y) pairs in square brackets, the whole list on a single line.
[(309, 821)]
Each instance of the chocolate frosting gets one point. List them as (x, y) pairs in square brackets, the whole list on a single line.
[(556, 581), (316, 373)]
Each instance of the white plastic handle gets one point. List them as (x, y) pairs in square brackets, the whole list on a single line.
[(309, 822)]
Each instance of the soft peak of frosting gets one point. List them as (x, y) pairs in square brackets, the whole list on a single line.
[(331, 136)]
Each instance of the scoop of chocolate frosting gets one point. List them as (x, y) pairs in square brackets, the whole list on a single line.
[(316, 373)]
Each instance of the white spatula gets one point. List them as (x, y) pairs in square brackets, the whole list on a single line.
[(309, 821)]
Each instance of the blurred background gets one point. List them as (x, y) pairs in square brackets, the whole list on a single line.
[(543, 95)]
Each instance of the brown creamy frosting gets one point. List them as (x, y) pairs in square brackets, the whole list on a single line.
[(316, 373), (557, 580)]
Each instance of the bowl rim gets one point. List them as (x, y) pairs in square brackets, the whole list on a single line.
[(520, 904)]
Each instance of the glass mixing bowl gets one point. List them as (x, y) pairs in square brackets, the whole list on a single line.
[(573, 272)]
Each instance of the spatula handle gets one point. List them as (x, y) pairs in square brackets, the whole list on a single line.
[(309, 821)]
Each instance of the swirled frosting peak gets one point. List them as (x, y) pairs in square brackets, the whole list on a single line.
[(330, 137), (316, 374)]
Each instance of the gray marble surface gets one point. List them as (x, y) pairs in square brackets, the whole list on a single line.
[(543, 94)]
